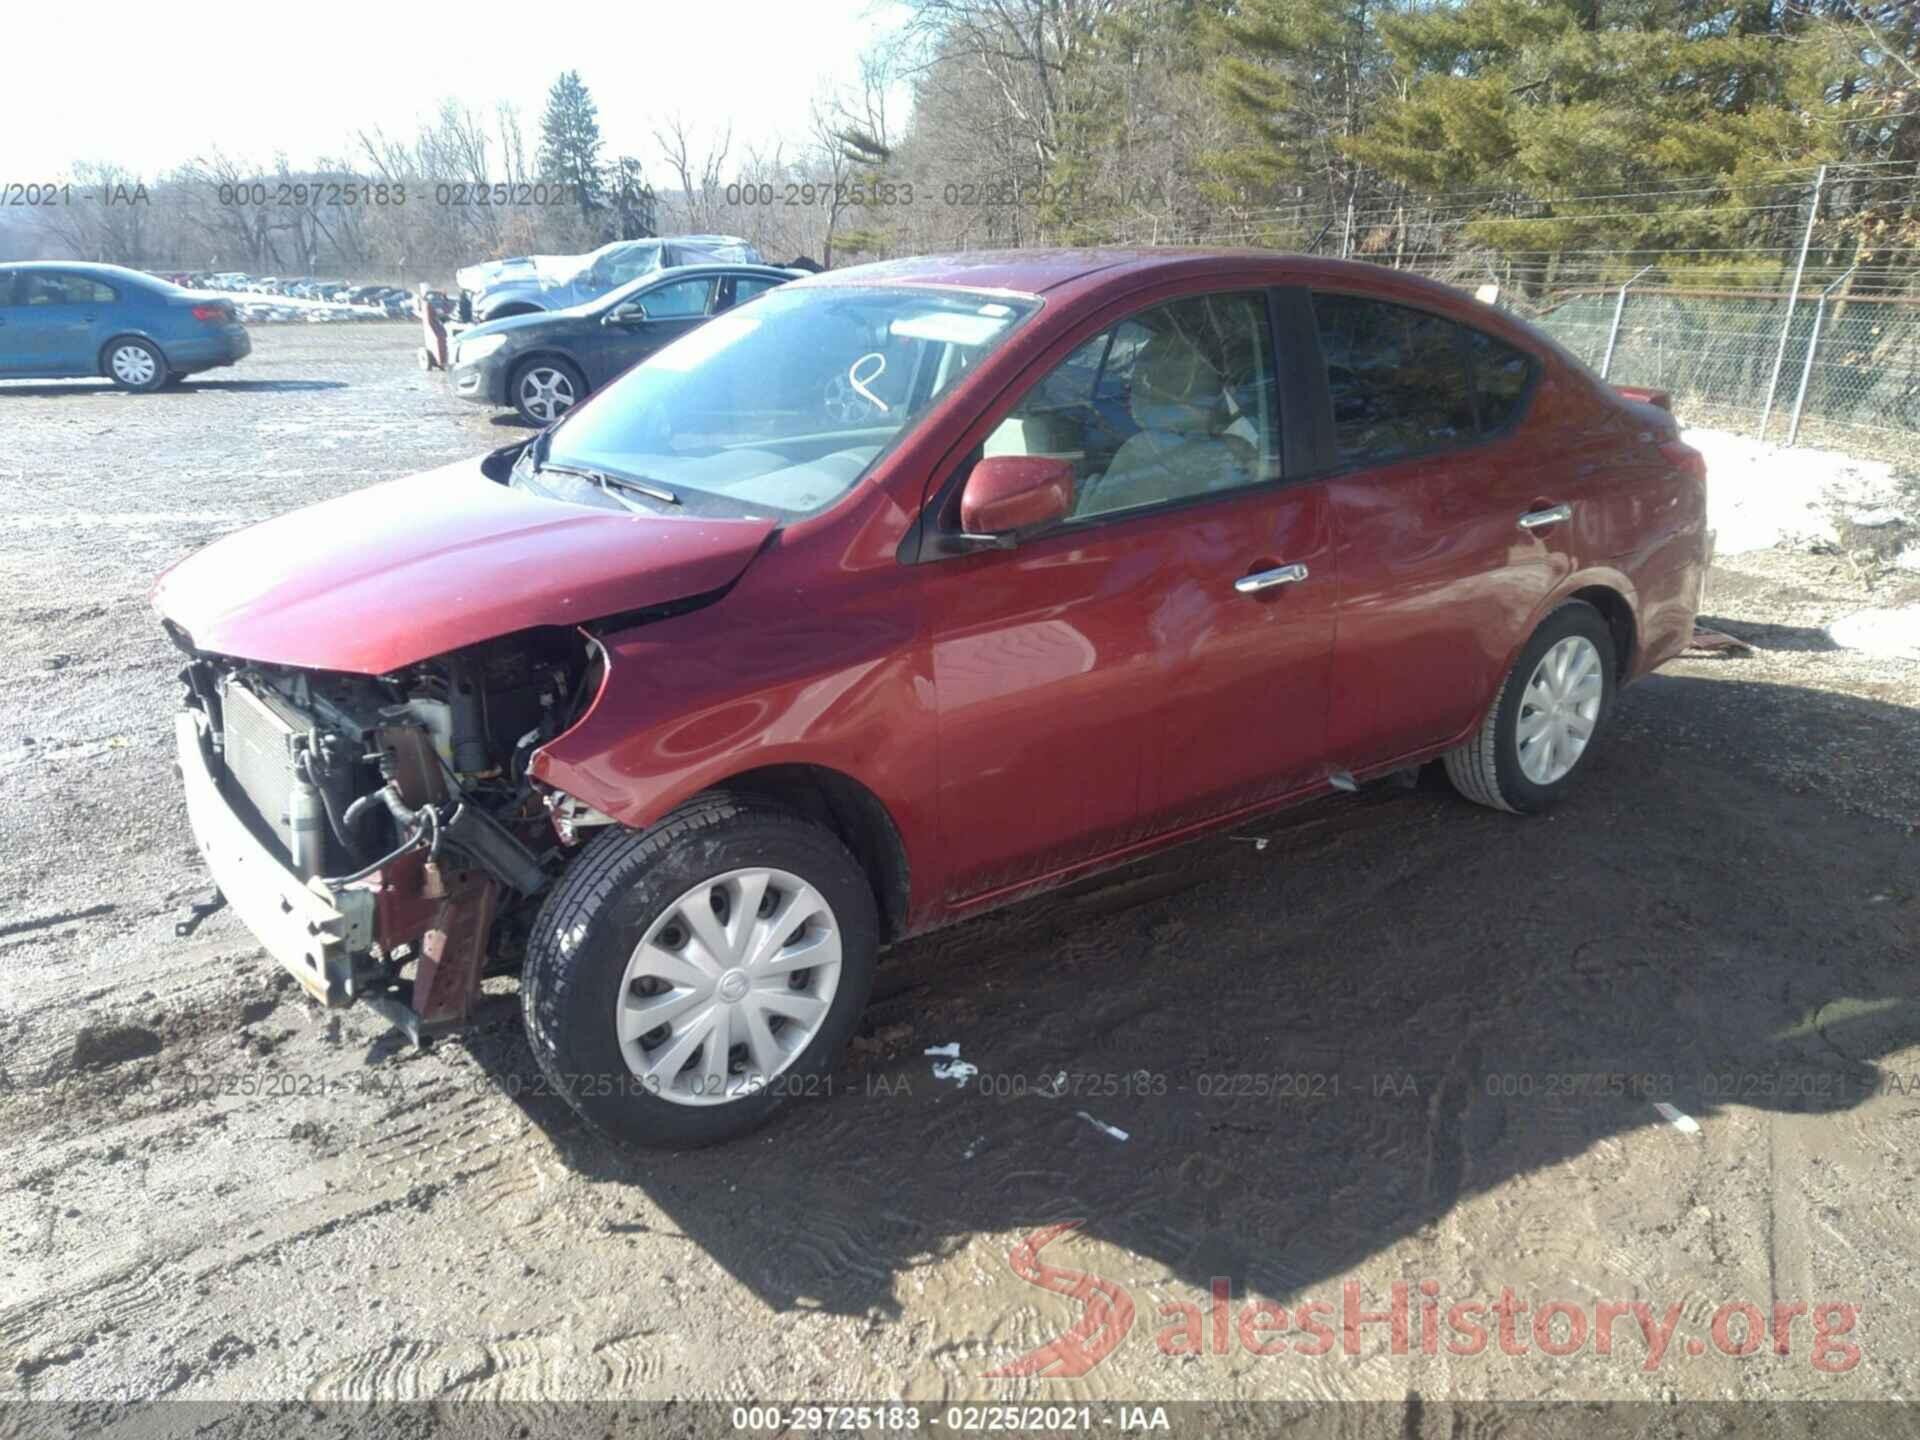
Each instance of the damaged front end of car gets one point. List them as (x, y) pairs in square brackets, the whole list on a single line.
[(380, 834)]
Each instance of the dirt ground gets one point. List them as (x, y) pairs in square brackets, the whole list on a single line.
[(1405, 1039)]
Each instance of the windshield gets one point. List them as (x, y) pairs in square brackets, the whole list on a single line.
[(620, 263), (779, 407)]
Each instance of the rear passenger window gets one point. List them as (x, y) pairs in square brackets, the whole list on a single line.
[(1500, 377), (1397, 376)]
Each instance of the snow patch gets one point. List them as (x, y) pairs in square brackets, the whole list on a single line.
[(1890, 634), (1760, 495)]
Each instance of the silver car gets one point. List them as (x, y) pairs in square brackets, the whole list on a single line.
[(528, 284)]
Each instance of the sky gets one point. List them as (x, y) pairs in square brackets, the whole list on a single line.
[(158, 84)]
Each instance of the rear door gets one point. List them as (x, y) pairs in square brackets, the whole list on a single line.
[(53, 321), (1445, 531)]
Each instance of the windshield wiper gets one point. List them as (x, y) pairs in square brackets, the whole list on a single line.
[(609, 482)]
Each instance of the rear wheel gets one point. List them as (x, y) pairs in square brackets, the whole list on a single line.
[(544, 390), (1533, 741), (135, 365), (682, 982)]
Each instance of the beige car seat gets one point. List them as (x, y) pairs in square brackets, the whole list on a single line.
[(1187, 443)]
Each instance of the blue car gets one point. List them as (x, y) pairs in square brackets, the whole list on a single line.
[(60, 319)]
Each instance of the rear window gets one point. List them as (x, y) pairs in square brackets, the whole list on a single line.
[(1404, 382), (1501, 375), (45, 288), (1397, 377)]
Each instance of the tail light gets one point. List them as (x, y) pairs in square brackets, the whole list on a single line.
[(217, 314), (1685, 458)]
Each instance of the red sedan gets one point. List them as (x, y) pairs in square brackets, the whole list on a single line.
[(903, 592)]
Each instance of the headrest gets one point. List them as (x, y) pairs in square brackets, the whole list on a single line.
[(1175, 386)]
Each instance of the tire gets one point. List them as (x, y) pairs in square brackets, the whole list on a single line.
[(133, 364), (1494, 768), (618, 919), (544, 389)]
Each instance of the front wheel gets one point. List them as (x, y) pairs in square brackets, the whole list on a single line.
[(681, 982), (1532, 742), (135, 365), (544, 390)]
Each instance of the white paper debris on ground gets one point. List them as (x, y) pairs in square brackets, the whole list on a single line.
[(1760, 495), (1891, 634), (1680, 1121), (949, 1066), (1114, 1130), (1052, 1087)]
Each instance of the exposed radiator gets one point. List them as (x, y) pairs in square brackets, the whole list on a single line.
[(260, 739)]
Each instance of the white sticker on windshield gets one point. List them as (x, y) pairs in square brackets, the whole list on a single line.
[(873, 373)]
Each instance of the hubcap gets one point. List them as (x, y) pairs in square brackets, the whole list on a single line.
[(132, 364), (546, 394), (728, 986), (1558, 710)]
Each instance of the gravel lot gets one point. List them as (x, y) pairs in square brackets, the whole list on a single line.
[(1439, 1032)]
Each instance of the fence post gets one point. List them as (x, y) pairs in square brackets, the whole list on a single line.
[(1813, 344), (1613, 334), (1793, 299)]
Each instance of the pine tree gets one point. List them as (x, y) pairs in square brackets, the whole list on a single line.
[(570, 144), (1623, 99)]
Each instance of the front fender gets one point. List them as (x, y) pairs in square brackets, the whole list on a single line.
[(755, 680)]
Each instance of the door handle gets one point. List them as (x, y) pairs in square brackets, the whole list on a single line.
[(1266, 579), (1552, 515)]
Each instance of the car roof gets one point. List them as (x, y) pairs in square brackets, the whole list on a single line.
[(78, 267), (1037, 272), (719, 267)]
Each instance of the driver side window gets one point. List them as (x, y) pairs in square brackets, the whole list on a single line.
[(1175, 402), (677, 301)]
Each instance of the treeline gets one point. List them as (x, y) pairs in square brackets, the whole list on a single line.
[(1535, 142)]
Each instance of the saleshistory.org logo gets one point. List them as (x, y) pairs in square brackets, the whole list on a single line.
[(1466, 1328)]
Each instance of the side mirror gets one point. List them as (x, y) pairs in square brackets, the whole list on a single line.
[(1006, 494), (631, 313)]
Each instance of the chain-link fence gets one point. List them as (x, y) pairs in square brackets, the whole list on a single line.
[(1847, 376)]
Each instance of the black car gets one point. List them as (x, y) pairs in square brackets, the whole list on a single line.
[(543, 365)]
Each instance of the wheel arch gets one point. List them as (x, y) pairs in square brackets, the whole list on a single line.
[(858, 817), (1617, 610), (106, 348), (534, 357)]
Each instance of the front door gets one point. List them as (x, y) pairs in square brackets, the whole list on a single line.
[(1161, 656), (672, 308)]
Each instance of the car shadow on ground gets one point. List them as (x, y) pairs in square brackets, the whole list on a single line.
[(1763, 636), (1319, 1046)]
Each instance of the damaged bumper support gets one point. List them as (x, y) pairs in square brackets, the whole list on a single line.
[(339, 940)]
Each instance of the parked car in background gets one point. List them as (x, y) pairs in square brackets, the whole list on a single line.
[(498, 289), (545, 364), (60, 318), (900, 593)]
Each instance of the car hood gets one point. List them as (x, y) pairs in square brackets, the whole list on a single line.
[(540, 320), (414, 568), (517, 267)]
